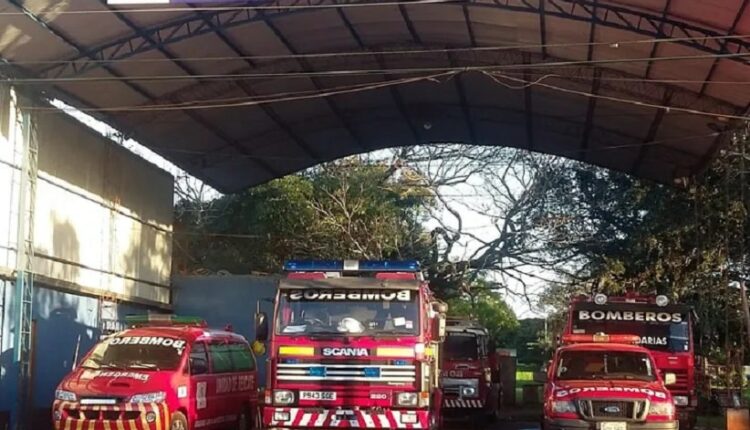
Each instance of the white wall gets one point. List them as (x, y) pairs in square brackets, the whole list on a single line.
[(103, 216)]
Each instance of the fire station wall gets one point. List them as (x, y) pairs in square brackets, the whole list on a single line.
[(102, 215), (223, 300), (62, 321)]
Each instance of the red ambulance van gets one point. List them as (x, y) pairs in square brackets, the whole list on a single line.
[(165, 373)]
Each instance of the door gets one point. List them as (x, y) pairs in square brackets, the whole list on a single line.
[(244, 393), (221, 408), (201, 382)]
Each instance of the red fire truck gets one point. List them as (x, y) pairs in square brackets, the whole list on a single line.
[(165, 373), (354, 344), (470, 374), (663, 328), (606, 382)]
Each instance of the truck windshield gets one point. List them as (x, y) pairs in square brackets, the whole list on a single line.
[(134, 352), (658, 330), (460, 346), (352, 312), (577, 365)]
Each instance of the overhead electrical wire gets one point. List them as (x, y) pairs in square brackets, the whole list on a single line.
[(365, 72), (162, 9), (387, 52), (524, 84)]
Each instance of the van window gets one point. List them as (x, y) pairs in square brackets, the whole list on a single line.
[(221, 361), (198, 359), (242, 357)]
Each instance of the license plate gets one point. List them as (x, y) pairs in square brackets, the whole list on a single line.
[(317, 395), (613, 426)]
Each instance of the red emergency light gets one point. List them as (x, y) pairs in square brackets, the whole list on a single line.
[(630, 339)]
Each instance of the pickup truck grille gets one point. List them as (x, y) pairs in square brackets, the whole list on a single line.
[(347, 372), (607, 409)]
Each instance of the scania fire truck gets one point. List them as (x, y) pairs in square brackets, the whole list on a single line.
[(353, 344), (664, 328), (470, 373), (602, 382)]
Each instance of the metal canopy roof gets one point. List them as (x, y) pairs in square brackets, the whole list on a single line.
[(381, 95)]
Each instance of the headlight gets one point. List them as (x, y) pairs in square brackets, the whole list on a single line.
[(664, 409), (407, 399), (283, 397), (66, 396), (155, 397), (681, 400), (468, 391), (563, 407)]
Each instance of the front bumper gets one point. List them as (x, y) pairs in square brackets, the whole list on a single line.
[(311, 417), (144, 416), (568, 424)]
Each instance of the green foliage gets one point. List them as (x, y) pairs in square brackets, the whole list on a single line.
[(630, 234), (347, 209), (490, 310)]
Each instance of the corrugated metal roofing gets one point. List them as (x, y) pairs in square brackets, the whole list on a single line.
[(529, 67)]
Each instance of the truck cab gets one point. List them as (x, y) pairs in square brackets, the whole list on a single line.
[(353, 344), (469, 377), (601, 382)]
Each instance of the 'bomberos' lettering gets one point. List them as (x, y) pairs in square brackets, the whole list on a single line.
[(636, 390), (351, 295), (662, 317), (148, 340)]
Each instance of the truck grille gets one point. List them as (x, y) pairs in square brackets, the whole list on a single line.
[(606, 409), (347, 372)]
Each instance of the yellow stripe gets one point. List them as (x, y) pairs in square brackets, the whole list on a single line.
[(106, 423), (297, 350), (67, 423), (142, 408), (120, 424), (79, 424), (155, 407), (131, 423), (167, 416)]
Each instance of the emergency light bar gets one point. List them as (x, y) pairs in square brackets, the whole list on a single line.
[(630, 339), (351, 266), (155, 320)]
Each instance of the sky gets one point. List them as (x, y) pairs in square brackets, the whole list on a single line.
[(462, 197)]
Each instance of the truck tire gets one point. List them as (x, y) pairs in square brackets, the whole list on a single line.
[(244, 421), (179, 422)]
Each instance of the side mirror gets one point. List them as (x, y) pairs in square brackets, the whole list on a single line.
[(438, 326), (261, 327), (670, 378), (198, 366)]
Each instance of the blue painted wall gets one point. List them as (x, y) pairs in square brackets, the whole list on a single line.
[(223, 300), (61, 319)]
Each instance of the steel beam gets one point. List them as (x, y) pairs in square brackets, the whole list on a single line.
[(592, 33), (589, 124), (316, 83), (610, 15), (395, 94), (660, 31), (653, 130), (528, 106), (469, 27), (133, 86), (723, 46), (542, 27)]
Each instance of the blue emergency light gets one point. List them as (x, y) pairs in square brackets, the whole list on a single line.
[(351, 266)]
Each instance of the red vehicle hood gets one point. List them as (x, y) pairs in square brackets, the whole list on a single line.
[(570, 390), (116, 383)]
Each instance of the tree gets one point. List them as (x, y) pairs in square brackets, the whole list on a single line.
[(489, 308), (353, 208)]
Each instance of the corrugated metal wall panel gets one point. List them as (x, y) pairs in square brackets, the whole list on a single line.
[(223, 300)]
